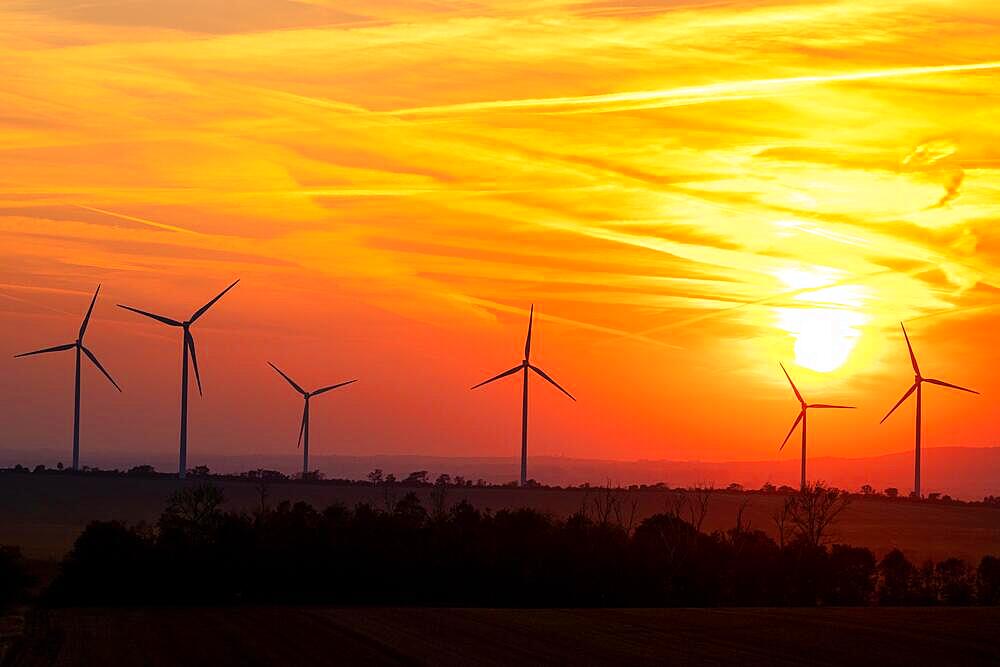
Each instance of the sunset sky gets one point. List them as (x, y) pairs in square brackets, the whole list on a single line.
[(689, 193)]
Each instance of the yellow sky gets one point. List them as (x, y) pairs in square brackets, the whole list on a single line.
[(690, 192)]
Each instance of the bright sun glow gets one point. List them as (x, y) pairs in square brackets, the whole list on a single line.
[(828, 329)]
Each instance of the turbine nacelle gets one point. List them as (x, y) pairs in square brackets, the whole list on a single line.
[(919, 379), (306, 395), (78, 343), (805, 407), (185, 326)]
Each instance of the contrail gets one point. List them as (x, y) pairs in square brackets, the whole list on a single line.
[(563, 320), (144, 221), (704, 93)]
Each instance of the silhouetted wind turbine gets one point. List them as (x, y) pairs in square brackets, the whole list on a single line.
[(524, 367), (80, 348), (188, 347), (304, 429), (918, 381), (802, 418)]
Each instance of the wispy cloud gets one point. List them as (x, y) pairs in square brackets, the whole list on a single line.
[(656, 175)]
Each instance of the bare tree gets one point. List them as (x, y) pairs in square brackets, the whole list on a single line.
[(781, 518), (604, 503), (195, 503), (741, 525), (611, 505), (627, 512), (676, 502), (389, 493), (262, 492), (698, 505), (439, 495), (813, 511)]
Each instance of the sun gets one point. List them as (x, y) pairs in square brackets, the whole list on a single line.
[(824, 338), (827, 327)]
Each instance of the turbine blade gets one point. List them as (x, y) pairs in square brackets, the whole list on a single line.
[(792, 430), (302, 428), (189, 341), (900, 402), (101, 368), (501, 375), (913, 357), (160, 318), (950, 385), (527, 341), (794, 388), (554, 383), (288, 379), (201, 311), (86, 318), (332, 386), (57, 348), (827, 405)]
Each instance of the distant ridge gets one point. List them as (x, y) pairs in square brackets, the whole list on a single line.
[(963, 472)]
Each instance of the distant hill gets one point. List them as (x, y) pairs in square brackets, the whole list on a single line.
[(963, 472)]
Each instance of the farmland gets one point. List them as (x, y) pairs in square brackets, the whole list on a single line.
[(45, 513), (395, 636)]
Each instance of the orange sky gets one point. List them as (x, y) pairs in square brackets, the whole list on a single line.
[(689, 194)]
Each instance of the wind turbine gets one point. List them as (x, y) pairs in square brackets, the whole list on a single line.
[(188, 348), (918, 381), (304, 429), (802, 418), (80, 348), (524, 367)]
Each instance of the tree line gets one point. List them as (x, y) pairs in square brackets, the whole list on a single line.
[(406, 554), (422, 478)]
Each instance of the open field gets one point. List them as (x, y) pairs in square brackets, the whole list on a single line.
[(44, 513), (413, 636)]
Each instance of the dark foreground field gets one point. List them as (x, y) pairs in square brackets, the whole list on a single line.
[(44, 514), (394, 636)]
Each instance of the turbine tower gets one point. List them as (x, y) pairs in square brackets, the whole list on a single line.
[(524, 367), (188, 348), (802, 418), (80, 348), (304, 429), (918, 381)]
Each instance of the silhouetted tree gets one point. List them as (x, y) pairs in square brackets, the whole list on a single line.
[(896, 574), (439, 495), (955, 581), (417, 478), (195, 504), (813, 511), (988, 580), (852, 576), (14, 578), (109, 564), (198, 553)]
